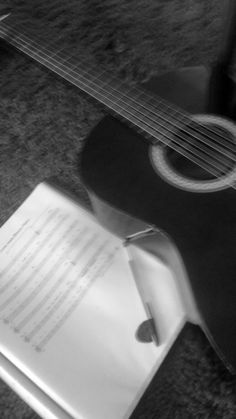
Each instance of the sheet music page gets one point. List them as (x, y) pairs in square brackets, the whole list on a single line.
[(69, 308)]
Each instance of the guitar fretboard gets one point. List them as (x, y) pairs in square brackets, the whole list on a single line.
[(153, 117)]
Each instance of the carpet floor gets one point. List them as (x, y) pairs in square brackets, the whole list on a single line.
[(45, 121)]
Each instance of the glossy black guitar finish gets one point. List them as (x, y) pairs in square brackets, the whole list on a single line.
[(116, 166)]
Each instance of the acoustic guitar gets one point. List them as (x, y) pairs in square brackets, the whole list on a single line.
[(172, 166)]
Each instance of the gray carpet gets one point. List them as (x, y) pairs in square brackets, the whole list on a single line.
[(44, 122)]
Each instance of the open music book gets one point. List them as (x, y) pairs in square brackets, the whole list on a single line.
[(70, 309)]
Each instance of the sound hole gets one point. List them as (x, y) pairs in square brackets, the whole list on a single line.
[(211, 145)]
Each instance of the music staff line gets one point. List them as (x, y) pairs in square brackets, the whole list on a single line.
[(33, 235), (63, 277), (24, 285), (39, 346)]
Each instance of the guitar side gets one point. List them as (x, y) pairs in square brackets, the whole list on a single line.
[(115, 165)]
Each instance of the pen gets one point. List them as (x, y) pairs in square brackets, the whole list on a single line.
[(152, 323)]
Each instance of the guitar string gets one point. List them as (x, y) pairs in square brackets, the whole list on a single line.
[(210, 163), (215, 171), (144, 92), (186, 118), (162, 102), (178, 148), (177, 110), (196, 145), (188, 131), (148, 116)]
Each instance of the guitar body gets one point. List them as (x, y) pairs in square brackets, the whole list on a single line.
[(116, 167)]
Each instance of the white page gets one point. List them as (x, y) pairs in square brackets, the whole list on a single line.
[(69, 309)]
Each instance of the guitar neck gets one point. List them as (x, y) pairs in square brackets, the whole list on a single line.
[(148, 114)]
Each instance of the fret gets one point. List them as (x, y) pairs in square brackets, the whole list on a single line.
[(73, 62), (53, 43), (152, 102), (57, 52)]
